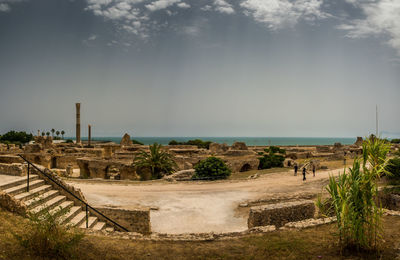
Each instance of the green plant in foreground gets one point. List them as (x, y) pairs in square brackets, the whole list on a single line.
[(47, 237), (213, 168), (353, 197), (159, 162)]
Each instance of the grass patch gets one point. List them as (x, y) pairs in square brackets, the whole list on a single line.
[(313, 243)]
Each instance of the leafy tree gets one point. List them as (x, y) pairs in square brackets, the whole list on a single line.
[(213, 168), (43, 133), (197, 142), (58, 133), (52, 132), (16, 137), (62, 134), (395, 141), (272, 158), (159, 162), (48, 134)]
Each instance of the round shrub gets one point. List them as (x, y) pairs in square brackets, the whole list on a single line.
[(394, 168), (211, 168)]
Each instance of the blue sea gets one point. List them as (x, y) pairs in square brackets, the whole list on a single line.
[(250, 141)]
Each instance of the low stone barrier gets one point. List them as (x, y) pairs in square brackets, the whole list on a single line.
[(137, 220), (281, 213), (15, 169)]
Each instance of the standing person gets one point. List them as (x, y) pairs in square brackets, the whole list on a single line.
[(304, 173), (313, 170), (295, 169)]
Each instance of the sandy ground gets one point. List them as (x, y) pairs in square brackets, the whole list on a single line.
[(187, 207)]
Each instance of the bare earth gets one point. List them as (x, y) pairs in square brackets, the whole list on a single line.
[(194, 207)]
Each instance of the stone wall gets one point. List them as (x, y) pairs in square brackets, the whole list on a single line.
[(281, 213), (137, 220), (9, 203), (16, 169), (10, 159)]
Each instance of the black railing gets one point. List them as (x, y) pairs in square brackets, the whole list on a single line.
[(87, 206)]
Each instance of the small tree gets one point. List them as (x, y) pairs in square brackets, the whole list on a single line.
[(58, 133), (48, 134), (159, 162), (353, 197), (52, 132), (62, 134), (211, 168), (43, 133)]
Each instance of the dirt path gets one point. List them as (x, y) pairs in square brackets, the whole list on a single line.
[(188, 207)]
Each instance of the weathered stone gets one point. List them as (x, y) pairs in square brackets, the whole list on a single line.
[(16, 169), (126, 140), (239, 146), (33, 148), (281, 213), (135, 220), (217, 148), (359, 141)]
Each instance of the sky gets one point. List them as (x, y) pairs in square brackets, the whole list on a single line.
[(296, 68)]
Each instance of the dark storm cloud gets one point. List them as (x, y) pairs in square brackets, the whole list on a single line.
[(213, 67)]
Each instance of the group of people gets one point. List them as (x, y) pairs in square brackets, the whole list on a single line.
[(296, 167)]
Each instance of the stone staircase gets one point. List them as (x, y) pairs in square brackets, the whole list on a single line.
[(44, 197)]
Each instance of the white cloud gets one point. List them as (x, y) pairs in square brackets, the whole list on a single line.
[(183, 5), (4, 8), (223, 7), (278, 14), (92, 37), (161, 4), (382, 18), (206, 8)]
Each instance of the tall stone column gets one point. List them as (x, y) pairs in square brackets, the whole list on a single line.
[(89, 134), (78, 123)]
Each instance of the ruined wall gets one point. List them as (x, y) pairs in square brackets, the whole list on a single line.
[(281, 213), (10, 159), (137, 220), (9, 203), (16, 169)]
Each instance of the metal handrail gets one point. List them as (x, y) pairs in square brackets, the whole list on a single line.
[(76, 197)]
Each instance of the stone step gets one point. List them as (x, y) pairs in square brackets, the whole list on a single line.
[(78, 219), (66, 205), (99, 226), (75, 210), (49, 204), (33, 193), (22, 187), (91, 222), (18, 181), (41, 198)]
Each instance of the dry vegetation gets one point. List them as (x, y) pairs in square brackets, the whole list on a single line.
[(312, 243)]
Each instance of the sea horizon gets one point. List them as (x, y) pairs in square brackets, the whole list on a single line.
[(250, 141)]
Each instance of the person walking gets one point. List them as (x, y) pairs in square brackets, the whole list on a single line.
[(304, 173), (313, 170), (295, 169)]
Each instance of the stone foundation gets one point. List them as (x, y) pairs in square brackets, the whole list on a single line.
[(137, 220), (281, 213), (16, 169)]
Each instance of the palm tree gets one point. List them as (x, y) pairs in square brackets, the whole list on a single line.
[(62, 133), (57, 133), (48, 134), (52, 132), (159, 162), (43, 134)]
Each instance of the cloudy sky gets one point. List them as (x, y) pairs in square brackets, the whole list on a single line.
[(201, 67)]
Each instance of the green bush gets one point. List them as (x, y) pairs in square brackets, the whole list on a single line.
[(394, 168), (212, 168), (69, 141), (136, 142), (272, 158), (395, 141), (199, 143), (47, 237), (16, 137)]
